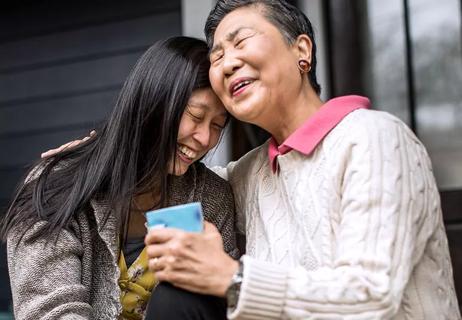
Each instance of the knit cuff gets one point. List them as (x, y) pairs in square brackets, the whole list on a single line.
[(263, 291)]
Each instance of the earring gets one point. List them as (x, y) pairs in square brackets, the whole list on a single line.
[(304, 66)]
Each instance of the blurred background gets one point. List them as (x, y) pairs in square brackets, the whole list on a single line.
[(63, 63)]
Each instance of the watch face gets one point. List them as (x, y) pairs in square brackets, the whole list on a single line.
[(232, 299), (233, 295)]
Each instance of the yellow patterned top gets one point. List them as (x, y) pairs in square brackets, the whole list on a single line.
[(136, 284)]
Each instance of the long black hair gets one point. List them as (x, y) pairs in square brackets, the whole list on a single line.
[(290, 21), (129, 155)]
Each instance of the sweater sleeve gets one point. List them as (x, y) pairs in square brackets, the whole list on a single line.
[(389, 209), (46, 279)]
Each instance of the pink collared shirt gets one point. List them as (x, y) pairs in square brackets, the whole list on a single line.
[(310, 134)]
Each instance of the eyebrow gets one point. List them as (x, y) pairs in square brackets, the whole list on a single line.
[(229, 37), (205, 106)]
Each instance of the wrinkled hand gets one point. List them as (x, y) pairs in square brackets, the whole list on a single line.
[(71, 144), (195, 262)]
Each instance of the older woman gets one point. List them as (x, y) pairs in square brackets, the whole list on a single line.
[(340, 207)]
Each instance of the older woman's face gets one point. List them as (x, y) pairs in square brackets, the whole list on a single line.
[(253, 69)]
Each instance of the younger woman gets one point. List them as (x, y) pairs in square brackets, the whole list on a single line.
[(75, 229)]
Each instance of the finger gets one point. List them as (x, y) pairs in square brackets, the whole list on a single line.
[(209, 227), (167, 263), (64, 146), (49, 153), (156, 250), (91, 135), (52, 152), (154, 265), (172, 248), (161, 235), (73, 144)]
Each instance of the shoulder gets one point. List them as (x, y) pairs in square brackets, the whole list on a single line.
[(249, 162), (374, 137), (254, 157), (371, 126), (368, 137), (211, 179), (216, 194), (43, 166), (248, 165), (363, 120)]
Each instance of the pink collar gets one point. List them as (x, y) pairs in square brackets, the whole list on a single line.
[(310, 134)]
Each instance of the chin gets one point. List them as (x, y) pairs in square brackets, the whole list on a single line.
[(247, 110), (246, 113)]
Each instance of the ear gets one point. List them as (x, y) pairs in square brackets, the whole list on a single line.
[(303, 46)]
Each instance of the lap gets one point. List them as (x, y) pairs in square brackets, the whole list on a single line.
[(169, 302)]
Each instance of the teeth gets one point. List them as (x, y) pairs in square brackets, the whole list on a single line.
[(241, 84), (187, 152)]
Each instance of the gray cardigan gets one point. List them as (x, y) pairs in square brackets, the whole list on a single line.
[(76, 278)]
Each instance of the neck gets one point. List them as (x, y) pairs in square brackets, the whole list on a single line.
[(146, 201), (294, 114)]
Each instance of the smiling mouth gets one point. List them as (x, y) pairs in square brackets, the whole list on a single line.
[(237, 87), (186, 153)]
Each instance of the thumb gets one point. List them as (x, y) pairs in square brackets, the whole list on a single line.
[(209, 227)]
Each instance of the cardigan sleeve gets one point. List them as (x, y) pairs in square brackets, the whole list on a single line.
[(218, 201), (46, 277), (389, 209)]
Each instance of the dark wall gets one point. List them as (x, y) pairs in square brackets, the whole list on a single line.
[(61, 66)]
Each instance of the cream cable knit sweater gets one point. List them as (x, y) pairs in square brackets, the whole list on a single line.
[(352, 231)]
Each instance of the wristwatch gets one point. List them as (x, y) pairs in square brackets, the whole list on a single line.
[(232, 293)]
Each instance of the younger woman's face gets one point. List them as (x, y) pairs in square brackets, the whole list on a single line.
[(200, 127)]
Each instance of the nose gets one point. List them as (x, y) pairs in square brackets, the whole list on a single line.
[(231, 63), (202, 136)]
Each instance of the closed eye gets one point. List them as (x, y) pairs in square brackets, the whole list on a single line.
[(218, 126), (241, 41), (196, 117), (217, 57)]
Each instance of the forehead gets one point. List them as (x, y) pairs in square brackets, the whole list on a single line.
[(207, 100), (241, 18)]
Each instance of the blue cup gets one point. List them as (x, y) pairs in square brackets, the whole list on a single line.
[(187, 217)]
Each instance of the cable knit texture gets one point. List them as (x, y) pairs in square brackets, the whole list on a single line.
[(76, 278), (352, 231)]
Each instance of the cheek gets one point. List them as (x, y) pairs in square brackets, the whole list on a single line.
[(280, 80), (185, 128), (214, 138), (217, 82)]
